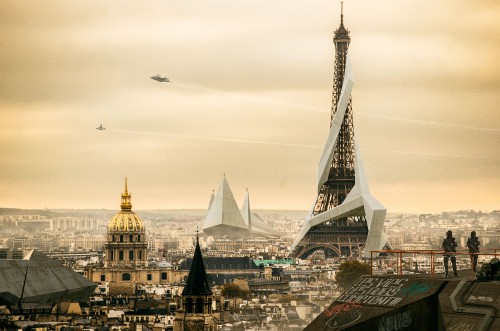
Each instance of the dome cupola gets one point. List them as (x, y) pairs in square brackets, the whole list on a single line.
[(126, 243), (126, 220)]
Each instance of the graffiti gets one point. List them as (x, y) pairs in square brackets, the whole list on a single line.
[(375, 291), (348, 306), (480, 298), (416, 288), (462, 327), (343, 314), (395, 322)]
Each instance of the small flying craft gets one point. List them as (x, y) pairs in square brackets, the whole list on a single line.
[(100, 127), (159, 78)]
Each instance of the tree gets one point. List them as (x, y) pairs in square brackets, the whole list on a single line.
[(282, 298), (7, 325), (233, 291), (349, 272)]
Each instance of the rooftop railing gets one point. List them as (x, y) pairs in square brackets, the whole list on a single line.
[(395, 258)]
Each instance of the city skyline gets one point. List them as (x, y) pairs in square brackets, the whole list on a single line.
[(250, 97)]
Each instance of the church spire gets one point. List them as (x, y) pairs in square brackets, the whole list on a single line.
[(197, 282), (126, 205)]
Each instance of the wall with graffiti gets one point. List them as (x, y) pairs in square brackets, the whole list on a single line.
[(384, 304)]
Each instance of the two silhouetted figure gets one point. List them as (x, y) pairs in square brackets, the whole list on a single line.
[(450, 245)]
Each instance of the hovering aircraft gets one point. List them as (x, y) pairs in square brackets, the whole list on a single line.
[(160, 78), (100, 127)]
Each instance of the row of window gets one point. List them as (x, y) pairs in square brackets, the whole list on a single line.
[(138, 318), (121, 255), (130, 238), (126, 276), (197, 306)]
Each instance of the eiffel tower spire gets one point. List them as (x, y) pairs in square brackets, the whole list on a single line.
[(341, 178)]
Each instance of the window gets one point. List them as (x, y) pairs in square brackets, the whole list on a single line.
[(189, 305), (199, 306), (103, 278), (111, 256), (131, 238), (121, 238), (139, 238), (209, 306), (120, 255), (163, 275), (126, 276), (131, 255), (150, 277), (140, 255), (114, 238)]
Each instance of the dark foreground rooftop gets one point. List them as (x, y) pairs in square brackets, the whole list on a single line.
[(414, 303), (42, 280)]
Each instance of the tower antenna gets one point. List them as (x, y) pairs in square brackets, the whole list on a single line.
[(341, 13)]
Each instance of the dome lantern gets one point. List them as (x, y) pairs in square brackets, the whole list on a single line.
[(126, 205)]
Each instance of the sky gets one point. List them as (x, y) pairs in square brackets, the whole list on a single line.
[(250, 98)]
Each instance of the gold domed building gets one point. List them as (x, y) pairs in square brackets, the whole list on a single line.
[(125, 265), (126, 240)]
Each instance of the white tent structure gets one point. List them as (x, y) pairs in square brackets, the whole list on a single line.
[(224, 217), (359, 201), (255, 224)]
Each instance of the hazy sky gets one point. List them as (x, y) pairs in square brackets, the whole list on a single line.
[(251, 96)]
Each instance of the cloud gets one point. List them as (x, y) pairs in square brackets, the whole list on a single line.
[(251, 96)]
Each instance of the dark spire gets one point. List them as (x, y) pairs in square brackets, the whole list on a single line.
[(197, 282), (341, 34)]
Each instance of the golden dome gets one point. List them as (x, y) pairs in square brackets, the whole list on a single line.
[(126, 219)]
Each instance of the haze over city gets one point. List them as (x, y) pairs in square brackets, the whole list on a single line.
[(250, 97)]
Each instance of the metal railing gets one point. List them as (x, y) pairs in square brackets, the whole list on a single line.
[(398, 255)]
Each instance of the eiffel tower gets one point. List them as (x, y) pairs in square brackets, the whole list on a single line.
[(345, 220)]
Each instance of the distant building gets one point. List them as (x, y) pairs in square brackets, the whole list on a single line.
[(11, 254), (223, 270), (74, 223)]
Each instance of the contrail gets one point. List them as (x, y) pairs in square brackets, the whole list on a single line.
[(296, 145), (214, 138), (325, 110), (253, 98), (437, 154), (441, 124)]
